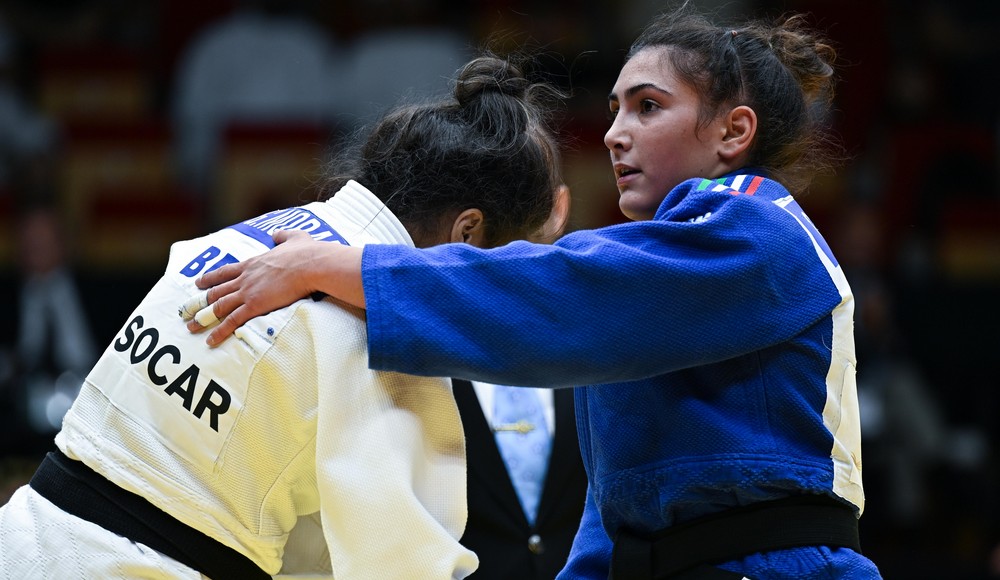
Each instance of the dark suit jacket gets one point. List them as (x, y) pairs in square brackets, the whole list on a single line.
[(497, 530)]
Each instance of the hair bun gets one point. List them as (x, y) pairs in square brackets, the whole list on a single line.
[(490, 74)]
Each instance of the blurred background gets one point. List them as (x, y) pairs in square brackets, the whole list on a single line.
[(127, 125)]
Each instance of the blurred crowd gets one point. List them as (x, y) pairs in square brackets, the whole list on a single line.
[(127, 125)]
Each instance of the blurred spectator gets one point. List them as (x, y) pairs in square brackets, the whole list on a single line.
[(909, 438), (901, 422), (27, 138), (55, 346), (406, 51), (264, 63)]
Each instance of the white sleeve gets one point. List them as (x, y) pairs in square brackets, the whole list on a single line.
[(390, 467)]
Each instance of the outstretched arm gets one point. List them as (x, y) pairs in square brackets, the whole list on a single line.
[(590, 556), (297, 267)]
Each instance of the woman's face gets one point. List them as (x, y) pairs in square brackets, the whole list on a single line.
[(654, 139)]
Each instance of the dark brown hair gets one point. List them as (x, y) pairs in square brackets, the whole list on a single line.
[(486, 147), (783, 71)]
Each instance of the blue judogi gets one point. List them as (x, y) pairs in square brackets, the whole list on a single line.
[(715, 342)]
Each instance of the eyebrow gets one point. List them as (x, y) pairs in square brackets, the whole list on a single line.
[(631, 91)]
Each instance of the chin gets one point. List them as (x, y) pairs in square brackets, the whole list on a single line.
[(632, 212)]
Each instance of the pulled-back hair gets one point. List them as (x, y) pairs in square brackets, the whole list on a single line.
[(486, 147), (783, 71)]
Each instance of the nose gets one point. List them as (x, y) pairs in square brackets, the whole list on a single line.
[(617, 136)]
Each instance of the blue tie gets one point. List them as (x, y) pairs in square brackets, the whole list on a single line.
[(523, 440)]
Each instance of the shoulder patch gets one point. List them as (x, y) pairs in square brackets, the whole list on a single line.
[(745, 184)]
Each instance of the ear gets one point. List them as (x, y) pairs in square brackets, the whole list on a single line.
[(740, 126), (469, 227)]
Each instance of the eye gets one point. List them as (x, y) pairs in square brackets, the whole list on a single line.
[(612, 112), (648, 106)]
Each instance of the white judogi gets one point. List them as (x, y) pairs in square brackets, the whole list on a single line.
[(283, 420)]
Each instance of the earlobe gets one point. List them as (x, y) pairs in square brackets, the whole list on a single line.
[(740, 128)]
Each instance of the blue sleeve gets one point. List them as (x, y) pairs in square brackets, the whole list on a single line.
[(590, 556), (615, 304)]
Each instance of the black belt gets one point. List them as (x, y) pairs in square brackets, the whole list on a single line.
[(762, 527), (78, 490)]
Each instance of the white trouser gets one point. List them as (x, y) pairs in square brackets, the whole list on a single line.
[(40, 541)]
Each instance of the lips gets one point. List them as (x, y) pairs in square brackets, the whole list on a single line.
[(624, 172), (621, 169)]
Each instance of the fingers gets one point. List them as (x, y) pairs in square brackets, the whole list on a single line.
[(217, 313), (206, 316), (223, 306), (209, 307), (280, 236), (193, 305), (227, 326), (202, 319), (220, 275)]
